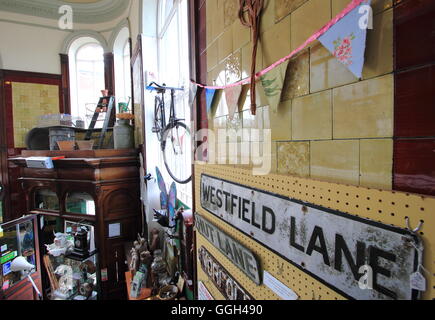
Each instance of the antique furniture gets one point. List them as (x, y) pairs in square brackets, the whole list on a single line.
[(96, 187)]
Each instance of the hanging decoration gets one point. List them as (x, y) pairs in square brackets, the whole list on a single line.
[(232, 95), (192, 93), (252, 21), (210, 97), (346, 40), (272, 83), (343, 36)]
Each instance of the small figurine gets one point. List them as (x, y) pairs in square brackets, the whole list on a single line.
[(159, 272), (145, 258), (145, 265), (155, 240), (141, 244), (134, 262), (86, 289), (65, 274), (61, 245)]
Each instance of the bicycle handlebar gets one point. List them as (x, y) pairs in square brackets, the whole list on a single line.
[(162, 87)]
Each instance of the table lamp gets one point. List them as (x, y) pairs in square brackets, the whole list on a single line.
[(20, 264)]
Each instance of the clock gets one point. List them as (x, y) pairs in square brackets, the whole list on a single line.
[(81, 242)]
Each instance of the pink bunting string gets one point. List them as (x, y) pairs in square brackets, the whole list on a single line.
[(314, 37)]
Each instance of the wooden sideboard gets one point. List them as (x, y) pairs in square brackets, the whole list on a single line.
[(111, 178)]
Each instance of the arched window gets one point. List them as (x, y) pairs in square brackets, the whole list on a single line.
[(86, 56), (121, 51), (90, 77), (127, 70)]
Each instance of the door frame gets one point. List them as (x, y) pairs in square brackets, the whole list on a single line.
[(136, 57)]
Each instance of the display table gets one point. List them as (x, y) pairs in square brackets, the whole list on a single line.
[(145, 293)]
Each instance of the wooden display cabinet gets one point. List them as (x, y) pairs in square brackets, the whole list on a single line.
[(97, 187)]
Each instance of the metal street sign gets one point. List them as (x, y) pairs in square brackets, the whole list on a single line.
[(358, 258), (221, 278), (241, 256)]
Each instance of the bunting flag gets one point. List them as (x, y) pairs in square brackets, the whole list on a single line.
[(192, 93), (344, 36), (212, 97), (272, 83), (346, 40), (232, 95)]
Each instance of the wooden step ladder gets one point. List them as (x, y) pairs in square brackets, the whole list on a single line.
[(105, 103)]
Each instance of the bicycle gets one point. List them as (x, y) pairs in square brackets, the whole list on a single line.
[(174, 133)]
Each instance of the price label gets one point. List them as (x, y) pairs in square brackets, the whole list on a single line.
[(418, 282), (104, 276)]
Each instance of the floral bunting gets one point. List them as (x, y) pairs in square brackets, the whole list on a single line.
[(344, 36), (346, 40), (232, 95), (272, 83)]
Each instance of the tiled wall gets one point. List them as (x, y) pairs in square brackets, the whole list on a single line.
[(30, 101), (329, 125)]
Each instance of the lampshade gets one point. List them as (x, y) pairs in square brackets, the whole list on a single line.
[(21, 264)]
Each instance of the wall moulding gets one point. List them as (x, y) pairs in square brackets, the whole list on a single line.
[(101, 11), (71, 38)]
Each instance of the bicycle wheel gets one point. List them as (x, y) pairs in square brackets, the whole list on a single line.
[(159, 117), (176, 147)]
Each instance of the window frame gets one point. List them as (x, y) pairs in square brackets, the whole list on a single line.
[(74, 50), (164, 26)]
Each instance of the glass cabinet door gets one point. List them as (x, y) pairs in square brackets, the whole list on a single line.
[(16, 240), (74, 279), (46, 199), (80, 203)]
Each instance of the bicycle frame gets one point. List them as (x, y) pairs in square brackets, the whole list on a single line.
[(161, 89), (165, 130)]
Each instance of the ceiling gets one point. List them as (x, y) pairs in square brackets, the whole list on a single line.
[(85, 11), (82, 1)]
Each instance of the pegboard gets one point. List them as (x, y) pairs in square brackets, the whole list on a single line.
[(387, 207)]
